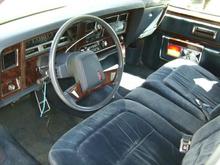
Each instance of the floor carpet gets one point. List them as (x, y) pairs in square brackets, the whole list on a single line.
[(35, 134)]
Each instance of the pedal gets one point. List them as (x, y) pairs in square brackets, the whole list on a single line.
[(43, 104)]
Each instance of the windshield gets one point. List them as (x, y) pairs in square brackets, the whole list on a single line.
[(15, 9), (204, 6)]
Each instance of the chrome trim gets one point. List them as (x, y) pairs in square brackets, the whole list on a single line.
[(181, 41), (118, 16), (40, 48), (192, 21), (160, 55), (195, 28)]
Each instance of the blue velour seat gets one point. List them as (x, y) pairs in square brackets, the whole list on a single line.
[(12, 153), (188, 85), (127, 133), (170, 111)]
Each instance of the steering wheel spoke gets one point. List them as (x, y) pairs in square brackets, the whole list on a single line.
[(110, 76), (77, 92)]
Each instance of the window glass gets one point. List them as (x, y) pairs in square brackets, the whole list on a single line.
[(206, 6), (15, 9)]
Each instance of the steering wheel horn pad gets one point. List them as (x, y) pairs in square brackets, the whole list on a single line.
[(86, 69)]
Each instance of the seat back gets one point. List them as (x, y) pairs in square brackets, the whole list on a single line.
[(121, 133)]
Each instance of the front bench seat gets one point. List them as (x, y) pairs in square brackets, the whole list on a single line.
[(125, 133), (174, 114), (122, 133), (188, 85)]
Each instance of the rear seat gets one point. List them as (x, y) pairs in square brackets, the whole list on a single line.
[(183, 93)]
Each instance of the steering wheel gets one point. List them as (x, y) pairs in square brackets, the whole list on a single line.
[(84, 67)]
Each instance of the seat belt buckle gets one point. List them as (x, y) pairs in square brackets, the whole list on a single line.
[(185, 143)]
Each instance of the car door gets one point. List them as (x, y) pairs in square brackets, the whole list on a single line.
[(185, 33)]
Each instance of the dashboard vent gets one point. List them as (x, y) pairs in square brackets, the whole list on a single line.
[(123, 17), (118, 22), (10, 59), (111, 19)]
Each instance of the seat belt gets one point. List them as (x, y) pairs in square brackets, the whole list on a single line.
[(185, 143), (206, 109), (215, 112)]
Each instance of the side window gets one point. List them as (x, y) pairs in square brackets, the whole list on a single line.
[(205, 6)]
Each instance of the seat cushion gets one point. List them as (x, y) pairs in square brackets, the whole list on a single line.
[(124, 132), (12, 153), (175, 115), (188, 85)]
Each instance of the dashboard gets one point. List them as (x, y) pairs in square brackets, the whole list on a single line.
[(20, 62), (27, 41)]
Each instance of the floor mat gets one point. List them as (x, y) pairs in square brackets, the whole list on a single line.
[(130, 81), (36, 134), (11, 152), (133, 77), (140, 71)]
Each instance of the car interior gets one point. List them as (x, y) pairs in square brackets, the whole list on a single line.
[(129, 82)]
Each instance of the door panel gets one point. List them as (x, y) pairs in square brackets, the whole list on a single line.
[(185, 28)]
